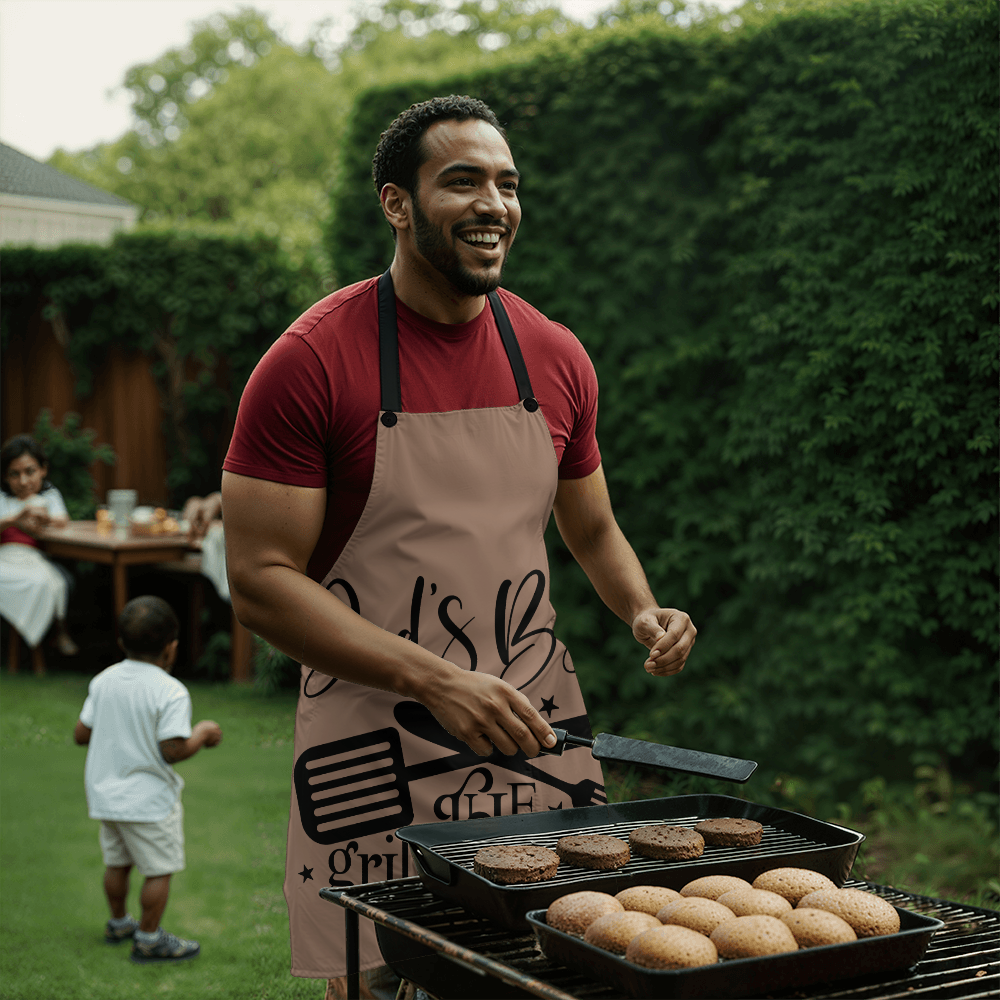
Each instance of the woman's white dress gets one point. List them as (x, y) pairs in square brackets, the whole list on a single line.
[(32, 590)]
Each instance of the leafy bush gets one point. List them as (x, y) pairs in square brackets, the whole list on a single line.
[(272, 669), (204, 308), (71, 454), (777, 242)]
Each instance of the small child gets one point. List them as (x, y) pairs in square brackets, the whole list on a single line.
[(136, 723)]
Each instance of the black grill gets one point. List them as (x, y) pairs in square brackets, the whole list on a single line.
[(453, 954)]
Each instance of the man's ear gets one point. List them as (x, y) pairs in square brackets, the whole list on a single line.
[(396, 206)]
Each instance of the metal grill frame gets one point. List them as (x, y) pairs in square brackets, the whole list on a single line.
[(962, 959)]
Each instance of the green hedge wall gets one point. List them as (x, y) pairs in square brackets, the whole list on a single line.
[(778, 244), (203, 308)]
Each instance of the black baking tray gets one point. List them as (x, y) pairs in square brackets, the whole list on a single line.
[(745, 977), (443, 852)]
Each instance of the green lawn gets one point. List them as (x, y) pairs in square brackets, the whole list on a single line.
[(229, 898)]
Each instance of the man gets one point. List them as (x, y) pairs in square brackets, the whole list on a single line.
[(396, 458)]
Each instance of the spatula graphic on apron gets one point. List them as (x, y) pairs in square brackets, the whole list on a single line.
[(360, 785)]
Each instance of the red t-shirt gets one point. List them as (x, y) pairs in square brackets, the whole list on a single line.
[(309, 412)]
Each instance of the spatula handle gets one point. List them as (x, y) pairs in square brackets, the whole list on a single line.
[(564, 739)]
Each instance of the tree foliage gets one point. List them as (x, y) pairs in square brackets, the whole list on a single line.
[(777, 241), (71, 454)]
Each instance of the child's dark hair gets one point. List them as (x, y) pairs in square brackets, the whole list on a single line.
[(146, 626), (15, 447)]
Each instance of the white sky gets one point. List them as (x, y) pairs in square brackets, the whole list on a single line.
[(62, 62)]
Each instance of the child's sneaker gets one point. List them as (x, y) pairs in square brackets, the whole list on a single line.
[(163, 948), (116, 931)]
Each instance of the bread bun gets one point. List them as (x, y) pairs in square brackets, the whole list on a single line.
[(614, 931), (671, 946), (751, 937), (869, 915), (747, 902), (647, 898), (575, 912), (700, 914), (713, 886), (812, 928), (792, 883)]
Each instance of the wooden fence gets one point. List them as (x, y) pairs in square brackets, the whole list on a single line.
[(124, 409)]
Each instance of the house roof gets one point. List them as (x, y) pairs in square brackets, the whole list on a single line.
[(21, 175)]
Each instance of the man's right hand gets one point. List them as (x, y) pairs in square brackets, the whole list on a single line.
[(485, 711)]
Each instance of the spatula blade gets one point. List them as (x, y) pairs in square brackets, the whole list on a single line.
[(708, 765)]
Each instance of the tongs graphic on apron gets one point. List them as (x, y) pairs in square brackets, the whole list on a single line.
[(360, 785)]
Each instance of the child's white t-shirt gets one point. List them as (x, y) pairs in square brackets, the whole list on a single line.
[(130, 708)]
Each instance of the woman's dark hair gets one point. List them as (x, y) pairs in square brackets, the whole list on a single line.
[(400, 153), (15, 447), (146, 626)]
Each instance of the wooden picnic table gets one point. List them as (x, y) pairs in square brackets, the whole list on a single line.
[(120, 548)]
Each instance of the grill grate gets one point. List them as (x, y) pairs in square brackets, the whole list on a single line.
[(775, 842), (962, 960)]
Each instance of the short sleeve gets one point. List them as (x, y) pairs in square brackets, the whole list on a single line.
[(175, 717), (282, 425), (87, 712), (55, 503)]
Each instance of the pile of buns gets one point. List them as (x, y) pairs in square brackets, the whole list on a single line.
[(722, 916)]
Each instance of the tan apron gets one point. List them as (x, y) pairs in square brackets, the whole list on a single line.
[(449, 553)]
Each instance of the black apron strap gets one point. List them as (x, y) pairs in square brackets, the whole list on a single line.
[(514, 356), (388, 352)]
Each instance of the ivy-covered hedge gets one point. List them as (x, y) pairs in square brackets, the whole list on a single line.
[(778, 244), (203, 308)]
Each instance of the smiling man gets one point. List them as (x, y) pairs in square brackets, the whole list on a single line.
[(397, 455)]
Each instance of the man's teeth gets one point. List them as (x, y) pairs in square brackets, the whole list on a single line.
[(491, 239)]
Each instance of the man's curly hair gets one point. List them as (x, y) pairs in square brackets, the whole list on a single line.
[(399, 154)]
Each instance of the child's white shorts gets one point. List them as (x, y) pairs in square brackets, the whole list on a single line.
[(154, 848)]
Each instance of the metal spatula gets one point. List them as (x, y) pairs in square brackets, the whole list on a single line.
[(607, 747)]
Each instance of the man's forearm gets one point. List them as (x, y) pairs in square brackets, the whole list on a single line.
[(312, 626), (614, 570)]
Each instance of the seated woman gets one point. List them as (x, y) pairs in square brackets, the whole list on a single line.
[(33, 590)]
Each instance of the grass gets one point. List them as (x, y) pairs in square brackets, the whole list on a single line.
[(236, 813), (229, 898)]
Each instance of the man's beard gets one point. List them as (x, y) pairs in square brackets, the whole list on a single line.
[(434, 248)]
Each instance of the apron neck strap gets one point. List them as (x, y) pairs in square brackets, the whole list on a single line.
[(388, 349), (513, 349), (388, 346)]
